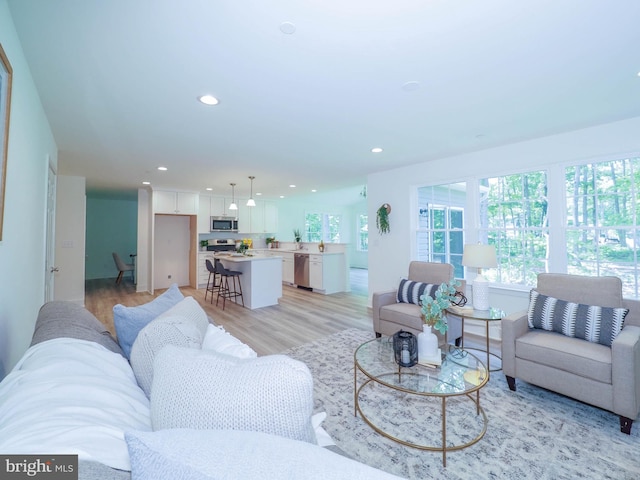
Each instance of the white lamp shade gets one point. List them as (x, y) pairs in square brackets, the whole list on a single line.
[(233, 206), (251, 202), (479, 256)]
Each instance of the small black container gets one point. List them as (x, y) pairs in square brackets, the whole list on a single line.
[(405, 348)]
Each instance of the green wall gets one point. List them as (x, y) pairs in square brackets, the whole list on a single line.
[(112, 226)]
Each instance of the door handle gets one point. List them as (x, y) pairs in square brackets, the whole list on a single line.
[(54, 269)]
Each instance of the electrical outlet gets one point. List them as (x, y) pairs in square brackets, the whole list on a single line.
[(169, 276)]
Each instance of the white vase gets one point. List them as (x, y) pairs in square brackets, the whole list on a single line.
[(427, 343)]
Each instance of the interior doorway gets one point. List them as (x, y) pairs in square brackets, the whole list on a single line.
[(171, 250)]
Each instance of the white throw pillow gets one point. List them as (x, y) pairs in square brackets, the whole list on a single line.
[(201, 389), (219, 341), (183, 325)]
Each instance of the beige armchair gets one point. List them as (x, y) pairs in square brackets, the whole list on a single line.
[(603, 376), (389, 316)]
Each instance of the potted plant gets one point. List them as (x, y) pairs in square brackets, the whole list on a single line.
[(270, 241), (204, 244), (297, 235), (432, 311), (382, 218)]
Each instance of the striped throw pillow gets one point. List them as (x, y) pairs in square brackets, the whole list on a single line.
[(410, 291), (592, 323)]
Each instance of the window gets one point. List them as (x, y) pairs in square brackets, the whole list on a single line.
[(602, 225), (440, 236), (513, 217), (363, 233), (322, 226)]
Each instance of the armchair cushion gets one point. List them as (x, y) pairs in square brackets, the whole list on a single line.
[(410, 291), (592, 323)]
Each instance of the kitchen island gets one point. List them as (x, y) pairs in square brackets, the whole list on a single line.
[(261, 277)]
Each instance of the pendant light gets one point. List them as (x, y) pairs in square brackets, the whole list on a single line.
[(251, 202), (233, 205)]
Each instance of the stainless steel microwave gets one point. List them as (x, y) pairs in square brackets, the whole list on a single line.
[(224, 224)]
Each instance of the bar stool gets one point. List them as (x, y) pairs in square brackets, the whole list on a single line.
[(224, 290), (212, 286)]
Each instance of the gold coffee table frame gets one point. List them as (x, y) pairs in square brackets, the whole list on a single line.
[(486, 316), (366, 360)]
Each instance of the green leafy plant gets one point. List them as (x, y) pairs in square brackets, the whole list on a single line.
[(270, 240), (433, 308), (382, 218), (204, 243), (297, 234)]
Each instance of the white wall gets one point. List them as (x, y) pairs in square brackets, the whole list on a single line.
[(70, 239), (22, 249), (389, 254)]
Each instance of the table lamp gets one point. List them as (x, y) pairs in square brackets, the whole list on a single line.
[(480, 256)]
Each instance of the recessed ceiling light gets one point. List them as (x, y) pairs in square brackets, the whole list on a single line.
[(411, 86), (209, 100), (258, 193), (281, 196), (292, 186), (209, 189), (163, 169), (146, 183), (314, 190), (376, 150), (287, 28)]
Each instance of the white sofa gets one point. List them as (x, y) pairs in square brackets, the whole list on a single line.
[(204, 413)]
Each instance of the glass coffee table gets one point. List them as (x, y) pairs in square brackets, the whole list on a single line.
[(394, 400)]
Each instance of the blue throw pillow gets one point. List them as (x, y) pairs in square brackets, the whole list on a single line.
[(128, 321)]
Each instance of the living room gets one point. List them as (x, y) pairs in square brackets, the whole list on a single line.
[(34, 149)]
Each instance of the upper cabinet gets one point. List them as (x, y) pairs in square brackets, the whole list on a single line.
[(263, 218), (212, 207), (181, 203)]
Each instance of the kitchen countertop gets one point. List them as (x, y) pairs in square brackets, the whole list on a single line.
[(236, 257)]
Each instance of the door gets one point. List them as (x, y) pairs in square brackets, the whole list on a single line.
[(50, 267)]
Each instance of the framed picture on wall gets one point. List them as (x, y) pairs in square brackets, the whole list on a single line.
[(6, 74)]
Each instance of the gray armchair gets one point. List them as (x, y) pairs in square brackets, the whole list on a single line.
[(603, 376), (390, 316)]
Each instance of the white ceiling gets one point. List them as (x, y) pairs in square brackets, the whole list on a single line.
[(119, 80)]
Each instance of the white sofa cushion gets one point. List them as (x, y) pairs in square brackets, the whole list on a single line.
[(183, 325), (202, 389), (225, 454), (219, 341)]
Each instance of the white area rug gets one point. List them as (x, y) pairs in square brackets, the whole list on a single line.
[(532, 433)]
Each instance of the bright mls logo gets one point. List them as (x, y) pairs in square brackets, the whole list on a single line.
[(50, 467)]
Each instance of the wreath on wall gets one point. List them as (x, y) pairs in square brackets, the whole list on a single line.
[(382, 218)]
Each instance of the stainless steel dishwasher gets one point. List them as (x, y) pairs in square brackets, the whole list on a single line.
[(301, 270)]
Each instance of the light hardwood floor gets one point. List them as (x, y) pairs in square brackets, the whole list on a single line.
[(300, 316)]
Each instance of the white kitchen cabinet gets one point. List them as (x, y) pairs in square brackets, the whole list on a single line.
[(218, 205), (179, 203), (270, 217), (203, 273), (315, 272), (263, 218), (244, 216), (204, 214), (287, 267), (212, 206)]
